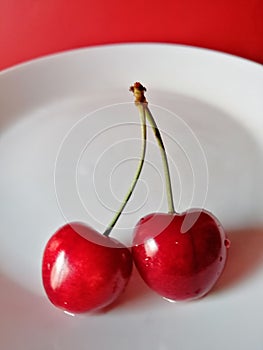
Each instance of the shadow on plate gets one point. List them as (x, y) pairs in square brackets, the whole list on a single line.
[(244, 259), (26, 318), (21, 309)]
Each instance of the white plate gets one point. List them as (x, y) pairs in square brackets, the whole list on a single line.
[(70, 118)]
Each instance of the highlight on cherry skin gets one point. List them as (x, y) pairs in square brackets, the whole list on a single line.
[(83, 270), (177, 264)]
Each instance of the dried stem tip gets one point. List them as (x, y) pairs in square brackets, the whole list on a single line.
[(138, 91)]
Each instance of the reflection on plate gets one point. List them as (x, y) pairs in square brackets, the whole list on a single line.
[(70, 132)]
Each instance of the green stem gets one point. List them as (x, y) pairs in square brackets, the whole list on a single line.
[(159, 140), (137, 174)]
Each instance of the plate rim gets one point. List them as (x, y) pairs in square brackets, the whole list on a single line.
[(87, 49)]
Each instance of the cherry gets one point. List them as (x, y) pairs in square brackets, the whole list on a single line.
[(180, 265), (83, 270), (180, 256)]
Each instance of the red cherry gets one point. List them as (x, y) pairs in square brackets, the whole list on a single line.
[(180, 256), (83, 270)]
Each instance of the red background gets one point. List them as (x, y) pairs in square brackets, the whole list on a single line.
[(32, 28)]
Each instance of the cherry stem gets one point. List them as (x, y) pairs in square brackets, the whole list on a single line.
[(160, 143), (111, 225), (138, 90)]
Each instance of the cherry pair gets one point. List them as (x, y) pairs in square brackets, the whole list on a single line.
[(179, 256)]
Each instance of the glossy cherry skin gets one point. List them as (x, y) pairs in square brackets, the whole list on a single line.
[(83, 270), (180, 256)]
